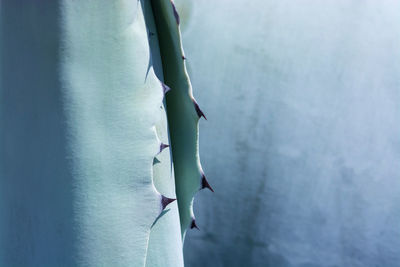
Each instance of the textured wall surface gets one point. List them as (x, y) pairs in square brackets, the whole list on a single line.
[(302, 142)]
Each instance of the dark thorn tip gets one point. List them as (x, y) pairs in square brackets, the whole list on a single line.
[(165, 201), (175, 13), (166, 88), (163, 146), (151, 33), (183, 57), (194, 225), (156, 161), (205, 184), (198, 110)]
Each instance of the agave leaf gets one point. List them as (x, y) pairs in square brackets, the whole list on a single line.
[(78, 135), (182, 110), (165, 244)]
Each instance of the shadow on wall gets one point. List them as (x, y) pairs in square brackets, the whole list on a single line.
[(33, 160), (302, 140)]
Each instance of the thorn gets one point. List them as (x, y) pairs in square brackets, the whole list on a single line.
[(183, 57), (165, 201), (156, 160), (194, 225), (205, 184), (175, 13), (198, 110), (151, 33), (163, 146), (165, 87)]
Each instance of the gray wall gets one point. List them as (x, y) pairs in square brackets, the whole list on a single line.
[(302, 142)]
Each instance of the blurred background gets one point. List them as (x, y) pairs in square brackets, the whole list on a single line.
[(302, 142)]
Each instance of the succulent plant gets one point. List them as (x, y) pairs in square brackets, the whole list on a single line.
[(100, 90), (182, 110)]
